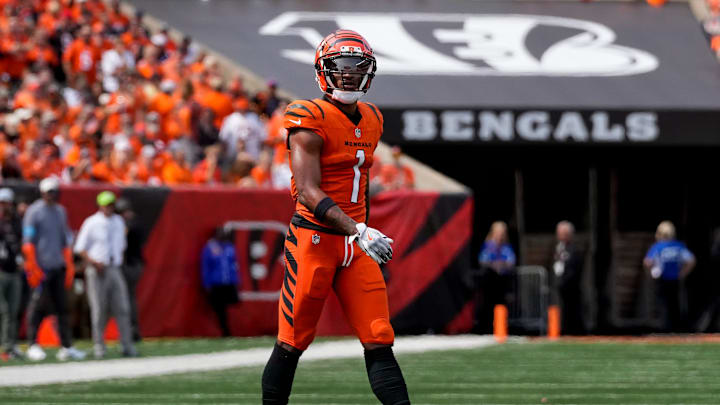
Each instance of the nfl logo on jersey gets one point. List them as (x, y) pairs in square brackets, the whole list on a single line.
[(357, 132), (315, 239)]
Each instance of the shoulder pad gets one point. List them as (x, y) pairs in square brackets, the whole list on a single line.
[(303, 114)]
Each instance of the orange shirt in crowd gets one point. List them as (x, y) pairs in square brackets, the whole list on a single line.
[(276, 134), (28, 130), (96, 7), (146, 69), (162, 103), (24, 99), (51, 167), (172, 129), (200, 173), (14, 61), (393, 177), (101, 172), (4, 146), (173, 173), (75, 153), (184, 117), (71, 114), (715, 43), (83, 58), (25, 161), (118, 20), (219, 103), (170, 68), (48, 22), (42, 53), (143, 172), (262, 177)]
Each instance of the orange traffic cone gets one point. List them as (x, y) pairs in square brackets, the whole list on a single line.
[(553, 322), (500, 326), (47, 335), (111, 330)]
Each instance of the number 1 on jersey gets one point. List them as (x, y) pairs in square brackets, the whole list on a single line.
[(360, 155)]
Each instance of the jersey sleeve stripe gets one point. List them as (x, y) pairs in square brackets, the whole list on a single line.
[(294, 114), (290, 107), (293, 264), (288, 303), (319, 108), (287, 285), (291, 237), (288, 318), (372, 107)]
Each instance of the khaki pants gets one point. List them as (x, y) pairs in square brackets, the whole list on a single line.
[(107, 293)]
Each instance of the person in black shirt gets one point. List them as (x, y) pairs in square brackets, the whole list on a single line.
[(567, 274), (134, 264), (10, 276)]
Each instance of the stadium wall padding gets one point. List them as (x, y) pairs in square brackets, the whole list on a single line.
[(425, 279)]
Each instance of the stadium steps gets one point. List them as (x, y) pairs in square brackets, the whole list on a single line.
[(632, 289)]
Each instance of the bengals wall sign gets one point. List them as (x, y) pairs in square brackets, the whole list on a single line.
[(548, 126)]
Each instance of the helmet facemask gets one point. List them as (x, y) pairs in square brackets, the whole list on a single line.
[(347, 77)]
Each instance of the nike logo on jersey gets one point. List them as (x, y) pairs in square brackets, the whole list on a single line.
[(295, 122)]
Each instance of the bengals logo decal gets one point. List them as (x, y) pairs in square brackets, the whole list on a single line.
[(471, 44)]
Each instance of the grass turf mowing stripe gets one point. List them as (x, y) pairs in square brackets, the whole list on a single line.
[(535, 373), (133, 368)]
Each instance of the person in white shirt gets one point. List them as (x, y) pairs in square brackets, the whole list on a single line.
[(101, 243), (246, 125), (114, 62)]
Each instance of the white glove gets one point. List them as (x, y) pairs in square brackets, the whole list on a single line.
[(373, 243)]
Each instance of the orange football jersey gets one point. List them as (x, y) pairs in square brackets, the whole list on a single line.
[(347, 152)]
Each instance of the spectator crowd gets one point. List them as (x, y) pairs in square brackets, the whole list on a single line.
[(88, 93)]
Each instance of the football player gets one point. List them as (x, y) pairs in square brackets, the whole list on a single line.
[(329, 245)]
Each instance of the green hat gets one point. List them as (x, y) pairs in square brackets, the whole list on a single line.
[(105, 198)]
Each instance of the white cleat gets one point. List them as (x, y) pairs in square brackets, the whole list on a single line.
[(36, 353), (70, 353)]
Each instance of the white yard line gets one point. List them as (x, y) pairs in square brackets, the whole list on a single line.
[(152, 366)]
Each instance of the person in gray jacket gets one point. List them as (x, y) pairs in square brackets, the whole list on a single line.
[(101, 244), (49, 267)]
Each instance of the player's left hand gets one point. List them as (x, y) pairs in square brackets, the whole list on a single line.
[(374, 243)]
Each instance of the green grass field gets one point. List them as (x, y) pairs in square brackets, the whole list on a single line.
[(529, 373)]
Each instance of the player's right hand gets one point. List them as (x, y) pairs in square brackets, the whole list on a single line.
[(374, 243)]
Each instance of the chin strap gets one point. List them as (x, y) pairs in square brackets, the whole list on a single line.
[(347, 97)]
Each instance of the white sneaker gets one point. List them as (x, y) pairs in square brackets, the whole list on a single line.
[(36, 353), (70, 353)]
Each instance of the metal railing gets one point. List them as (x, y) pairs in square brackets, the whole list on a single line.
[(528, 305)]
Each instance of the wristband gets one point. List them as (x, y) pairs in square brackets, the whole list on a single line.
[(323, 206)]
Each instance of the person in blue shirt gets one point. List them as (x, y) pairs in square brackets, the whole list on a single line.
[(497, 270), (669, 262), (220, 275), (496, 253)]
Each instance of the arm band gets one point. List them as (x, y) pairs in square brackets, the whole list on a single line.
[(323, 206)]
